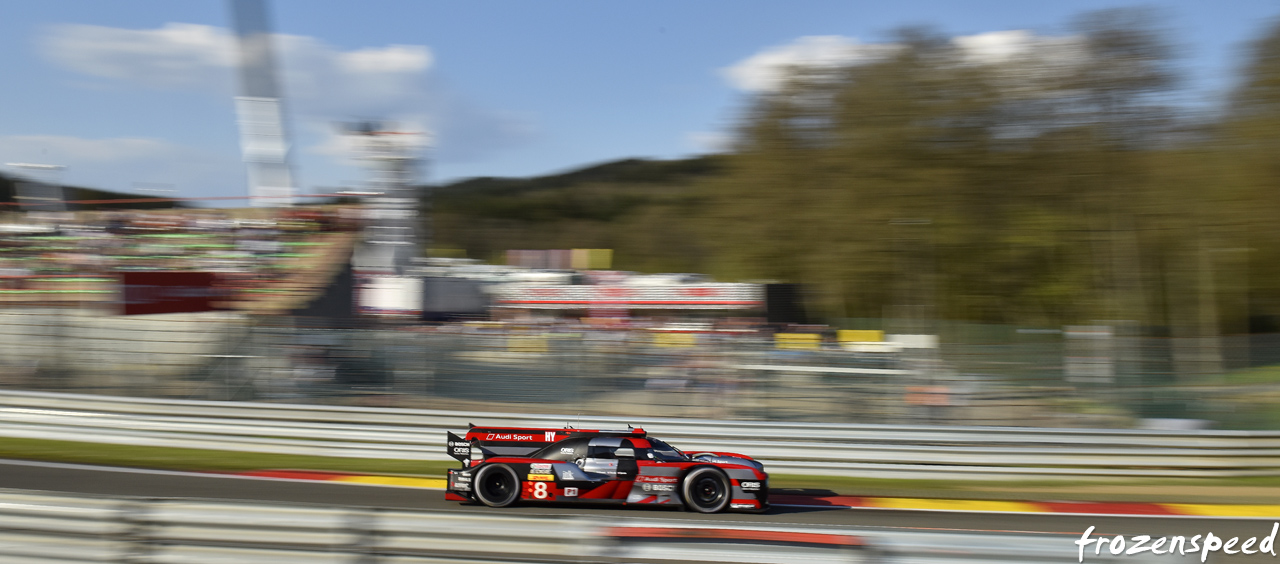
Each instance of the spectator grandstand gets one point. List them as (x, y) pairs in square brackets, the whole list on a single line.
[(268, 260)]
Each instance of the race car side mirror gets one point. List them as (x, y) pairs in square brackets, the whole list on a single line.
[(625, 453)]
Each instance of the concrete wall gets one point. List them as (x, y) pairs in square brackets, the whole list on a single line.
[(85, 344)]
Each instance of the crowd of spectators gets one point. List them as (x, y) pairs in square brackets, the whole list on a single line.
[(241, 244)]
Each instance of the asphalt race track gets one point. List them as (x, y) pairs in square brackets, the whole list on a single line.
[(161, 484)]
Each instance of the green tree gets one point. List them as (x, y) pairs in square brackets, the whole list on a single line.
[(1006, 190)]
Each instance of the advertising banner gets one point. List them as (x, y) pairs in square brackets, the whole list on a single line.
[(168, 292), (391, 295), (700, 296)]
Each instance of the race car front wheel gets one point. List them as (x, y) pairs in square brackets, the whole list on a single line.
[(706, 490), (497, 485)]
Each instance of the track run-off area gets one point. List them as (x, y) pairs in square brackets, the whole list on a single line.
[(833, 501), (1007, 521)]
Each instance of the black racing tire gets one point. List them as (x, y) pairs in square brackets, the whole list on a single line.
[(497, 485), (706, 490)]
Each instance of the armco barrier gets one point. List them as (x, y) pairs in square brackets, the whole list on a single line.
[(883, 451), (43, 527)]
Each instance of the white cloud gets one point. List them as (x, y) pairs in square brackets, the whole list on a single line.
[(322, 81), (995, 46), (709, 141), (318, 78), (767, 70), (396, 58), (177, 54), (1014, 46), (321, 84)]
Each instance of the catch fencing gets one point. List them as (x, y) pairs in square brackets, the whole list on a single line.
[(876, 451), (1010, 379), (44, 527)]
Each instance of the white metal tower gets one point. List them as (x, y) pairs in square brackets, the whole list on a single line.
[(263, 139), (392, 237)]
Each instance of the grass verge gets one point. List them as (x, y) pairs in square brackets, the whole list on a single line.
[(200, 460)]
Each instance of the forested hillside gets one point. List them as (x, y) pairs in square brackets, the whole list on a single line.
[(1066, 183), (649, 212)]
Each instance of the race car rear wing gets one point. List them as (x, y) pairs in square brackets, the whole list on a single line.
[(459, 448), (484, 442), (480, 443)]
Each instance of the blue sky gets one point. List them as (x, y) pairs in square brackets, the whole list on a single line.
[(136, 94)]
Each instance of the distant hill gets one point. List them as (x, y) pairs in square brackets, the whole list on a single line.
[(627, 171), (8, 189), (640, 208)]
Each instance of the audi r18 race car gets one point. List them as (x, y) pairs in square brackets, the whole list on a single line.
[(503, 465)]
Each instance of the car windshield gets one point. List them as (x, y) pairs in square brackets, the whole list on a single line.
[(664, 452)]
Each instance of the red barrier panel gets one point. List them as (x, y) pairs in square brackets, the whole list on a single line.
[(168, 292)]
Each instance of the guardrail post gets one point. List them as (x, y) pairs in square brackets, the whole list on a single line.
[(136, 536), (363, 526), (595, 546)]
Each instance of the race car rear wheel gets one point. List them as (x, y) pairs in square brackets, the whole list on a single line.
[(497, 485), (706, 490)]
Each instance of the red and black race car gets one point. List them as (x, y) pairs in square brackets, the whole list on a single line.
[(505, 465)]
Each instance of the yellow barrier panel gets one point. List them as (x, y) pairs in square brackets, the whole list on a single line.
[(860, 336), (665, 339), (798, 341), (591, 259), (527, 344)]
